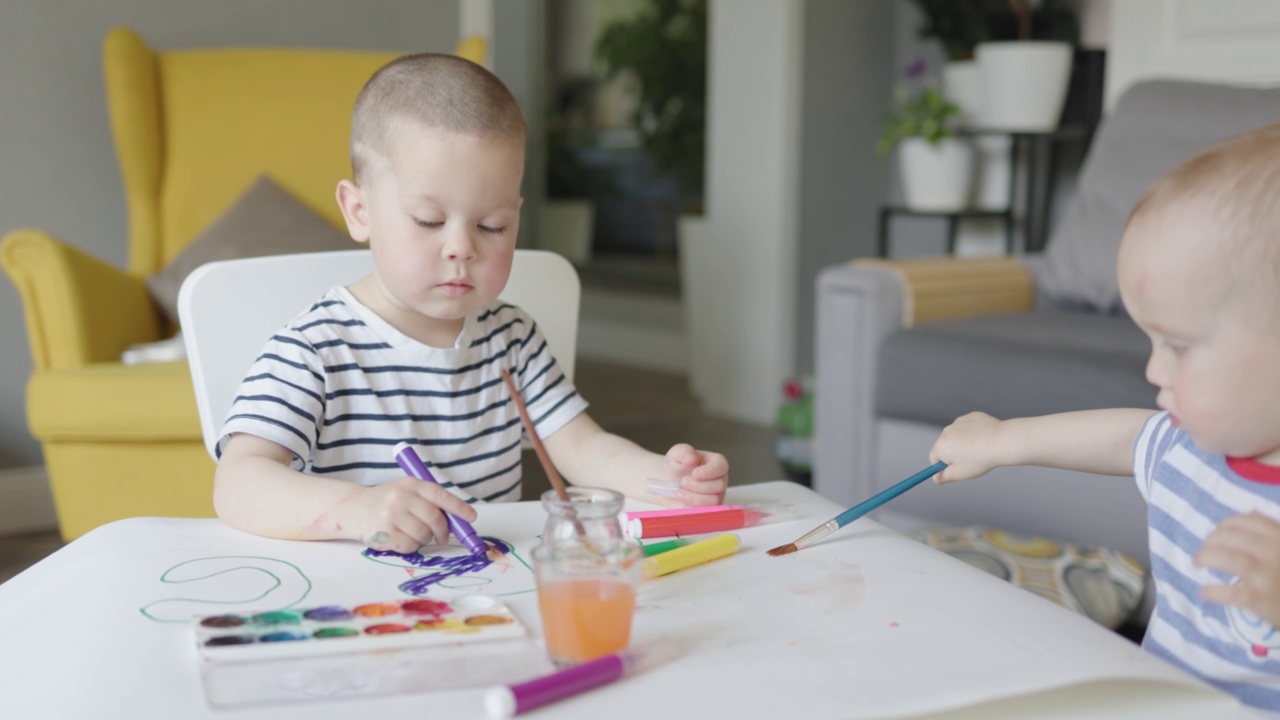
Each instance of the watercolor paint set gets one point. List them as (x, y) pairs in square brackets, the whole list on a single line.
[(328, 629), (402, 645)]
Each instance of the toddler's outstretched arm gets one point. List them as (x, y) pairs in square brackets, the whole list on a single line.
[(1095, 441)]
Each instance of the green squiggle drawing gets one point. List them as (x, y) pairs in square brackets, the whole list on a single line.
[(288, 586)]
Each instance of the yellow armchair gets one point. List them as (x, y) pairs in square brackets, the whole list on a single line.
[(192, 129)]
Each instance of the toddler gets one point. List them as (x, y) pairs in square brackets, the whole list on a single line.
[(1199, 272), (412, 352)]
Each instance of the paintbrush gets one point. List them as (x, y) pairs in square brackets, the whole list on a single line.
[(858, 510), (547, 466)]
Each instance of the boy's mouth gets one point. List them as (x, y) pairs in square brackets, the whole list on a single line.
[(455, 287)]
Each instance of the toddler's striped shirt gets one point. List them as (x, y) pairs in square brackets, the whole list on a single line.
[(1188, 493)]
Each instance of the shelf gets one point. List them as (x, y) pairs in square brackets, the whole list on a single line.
[(966, 213), (1067, 132)]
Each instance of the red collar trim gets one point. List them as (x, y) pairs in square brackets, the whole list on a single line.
[(1251, 469)]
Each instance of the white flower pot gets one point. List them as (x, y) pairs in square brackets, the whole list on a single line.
[(962, 85), (936, 178), (1025, 84)]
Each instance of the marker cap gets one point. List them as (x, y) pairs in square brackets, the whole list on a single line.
[(500, 703)]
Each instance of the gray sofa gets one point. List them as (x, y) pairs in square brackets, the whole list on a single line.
[(900, 351)]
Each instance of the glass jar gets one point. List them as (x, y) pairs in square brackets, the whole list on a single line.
[(587, 574), (590, 516)]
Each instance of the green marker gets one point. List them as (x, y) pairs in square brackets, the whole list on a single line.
[(658, 548)]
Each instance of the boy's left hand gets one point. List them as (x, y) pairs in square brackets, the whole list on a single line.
[(703, 476), (1247, 546)]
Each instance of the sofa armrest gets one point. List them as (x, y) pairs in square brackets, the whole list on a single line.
[(858, 305), (936, 289), (78, 309)]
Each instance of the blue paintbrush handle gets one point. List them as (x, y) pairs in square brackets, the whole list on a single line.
[(885, 496)]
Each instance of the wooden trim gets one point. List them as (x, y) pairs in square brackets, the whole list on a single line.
[(936, 289)]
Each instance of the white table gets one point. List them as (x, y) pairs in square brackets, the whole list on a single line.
[(866, 624)]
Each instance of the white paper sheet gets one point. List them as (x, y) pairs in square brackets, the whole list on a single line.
[(867, 624)]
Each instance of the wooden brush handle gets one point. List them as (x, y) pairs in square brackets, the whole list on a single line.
[(547, 466)]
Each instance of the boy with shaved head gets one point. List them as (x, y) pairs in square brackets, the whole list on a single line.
[(413, 352)]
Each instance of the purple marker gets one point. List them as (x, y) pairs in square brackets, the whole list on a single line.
[(409, 461), (505, 702)]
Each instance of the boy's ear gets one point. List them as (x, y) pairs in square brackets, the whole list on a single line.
[(355, 211)]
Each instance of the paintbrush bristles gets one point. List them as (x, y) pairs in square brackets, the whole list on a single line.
[(784, 549)]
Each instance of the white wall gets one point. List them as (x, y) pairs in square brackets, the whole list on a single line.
[(57, 166), (746, 269), (1236, 41)]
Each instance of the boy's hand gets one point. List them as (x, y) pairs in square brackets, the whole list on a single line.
[(402, 515), (703, 476), (1247, 546), (969, 447)]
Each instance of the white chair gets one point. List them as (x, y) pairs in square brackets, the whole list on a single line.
[(228, 309)]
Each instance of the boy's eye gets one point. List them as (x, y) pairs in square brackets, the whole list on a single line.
[(492, 230), (1176, 348), (429, 223)]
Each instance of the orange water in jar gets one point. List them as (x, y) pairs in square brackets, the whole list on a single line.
[(586, 618)]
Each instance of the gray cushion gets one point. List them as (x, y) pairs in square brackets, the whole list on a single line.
[(264, 220), (1035, 363), (1155, 125)]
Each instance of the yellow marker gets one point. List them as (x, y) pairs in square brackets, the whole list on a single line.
[(690, 555)]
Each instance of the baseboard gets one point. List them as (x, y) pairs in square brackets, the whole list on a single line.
[(26, 505)]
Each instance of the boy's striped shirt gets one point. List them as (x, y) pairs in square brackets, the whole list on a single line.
[(1188, 493), (340, 387)]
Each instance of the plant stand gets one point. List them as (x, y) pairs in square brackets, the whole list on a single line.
[(1037, 191)]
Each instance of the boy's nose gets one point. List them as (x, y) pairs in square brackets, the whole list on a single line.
[(459, 247)]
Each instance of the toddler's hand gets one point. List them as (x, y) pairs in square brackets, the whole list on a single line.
[(402, 515), (703, 476), (968, 447), (1247, 546)]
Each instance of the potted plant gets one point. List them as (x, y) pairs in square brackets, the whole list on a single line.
[(1025, 58), (936, 165), (1026, 64), (664, 47), (958, 25)]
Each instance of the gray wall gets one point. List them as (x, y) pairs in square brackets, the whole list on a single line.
[(848, 79), (57, 166)]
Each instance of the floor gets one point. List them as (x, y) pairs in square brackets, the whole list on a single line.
[(654, 409)]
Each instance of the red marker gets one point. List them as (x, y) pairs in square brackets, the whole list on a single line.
[(691, 521)]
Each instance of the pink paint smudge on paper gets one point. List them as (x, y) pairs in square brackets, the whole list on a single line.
[(843, 584)]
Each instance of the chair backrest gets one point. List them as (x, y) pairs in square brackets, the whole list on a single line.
[(228, 310)]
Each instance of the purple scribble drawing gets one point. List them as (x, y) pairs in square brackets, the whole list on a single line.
[(445, 567)]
